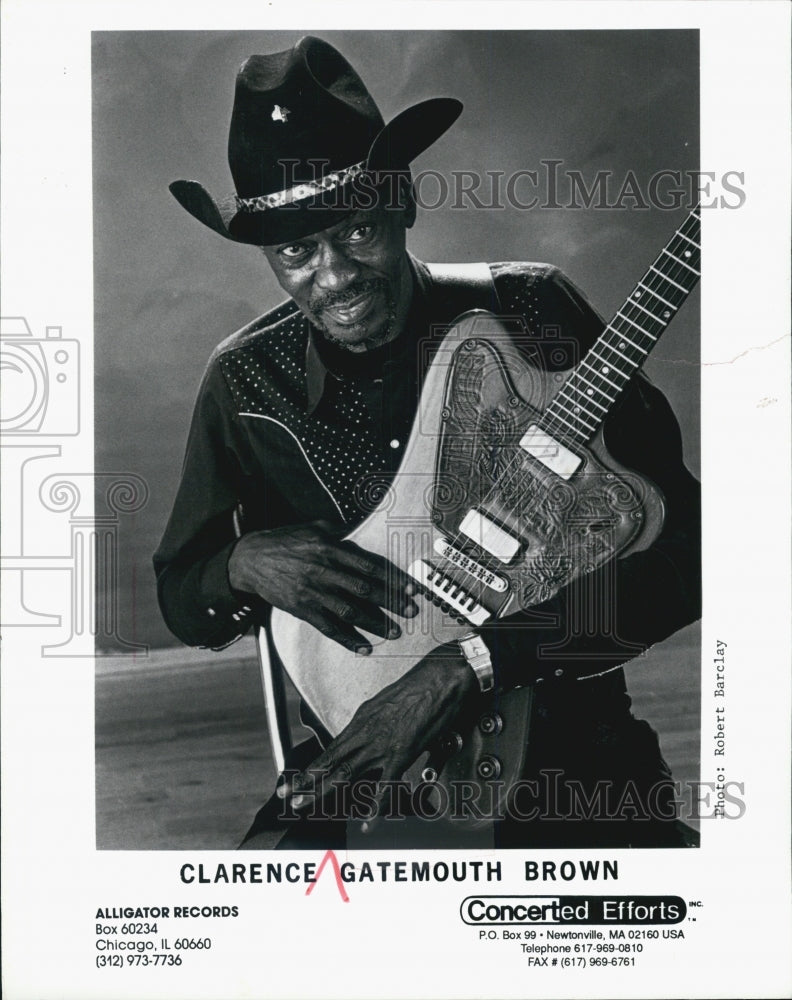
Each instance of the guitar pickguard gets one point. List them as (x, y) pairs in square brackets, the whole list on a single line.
[(565, 527)]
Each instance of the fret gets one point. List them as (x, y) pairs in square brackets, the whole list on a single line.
[(691, 242), (583, 398), (624, 337), (600, 374), (664, 301), (682, 262), (590, 389), (657, 319), (579, 374), (617, 351), (608, 361), (573, 406), (577, 416), (636, 325), (669, 280), (557, 416)]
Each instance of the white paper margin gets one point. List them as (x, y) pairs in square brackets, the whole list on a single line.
[(396, 940)]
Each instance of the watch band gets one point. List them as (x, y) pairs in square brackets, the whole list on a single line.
[(475, 651)]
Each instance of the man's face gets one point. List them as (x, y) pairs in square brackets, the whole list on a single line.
[(352, 280)]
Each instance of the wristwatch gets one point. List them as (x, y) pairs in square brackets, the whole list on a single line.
[(475, 651)]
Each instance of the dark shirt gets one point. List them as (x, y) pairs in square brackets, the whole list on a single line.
[(291, 430)]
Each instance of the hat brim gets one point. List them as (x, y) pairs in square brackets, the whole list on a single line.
[(398, 143)]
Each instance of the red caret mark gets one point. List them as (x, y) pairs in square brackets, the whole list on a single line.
[(329, 856)]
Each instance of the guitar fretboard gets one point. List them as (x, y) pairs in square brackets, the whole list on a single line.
[(580, 406)]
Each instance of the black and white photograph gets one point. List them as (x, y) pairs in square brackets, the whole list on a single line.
[(395, 436), (461, 588)]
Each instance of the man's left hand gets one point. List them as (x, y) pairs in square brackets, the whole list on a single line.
[(389, 731)]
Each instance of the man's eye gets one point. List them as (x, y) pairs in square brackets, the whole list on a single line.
[(359, 233), (292, 251)]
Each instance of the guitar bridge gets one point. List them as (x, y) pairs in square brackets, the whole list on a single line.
[(469, 565), (441, 586)]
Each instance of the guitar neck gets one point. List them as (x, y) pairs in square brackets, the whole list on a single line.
[(593, 386)]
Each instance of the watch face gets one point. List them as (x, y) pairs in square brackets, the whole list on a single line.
[(473, 645)]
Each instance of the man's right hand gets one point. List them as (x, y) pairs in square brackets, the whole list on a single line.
[(333, 585)]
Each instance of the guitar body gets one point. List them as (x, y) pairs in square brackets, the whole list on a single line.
[(486, 527)]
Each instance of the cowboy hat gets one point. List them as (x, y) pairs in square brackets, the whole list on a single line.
[(306, 143)]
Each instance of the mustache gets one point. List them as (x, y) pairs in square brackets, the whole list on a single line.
[(354, 291)]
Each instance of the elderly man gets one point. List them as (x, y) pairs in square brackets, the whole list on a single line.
[(311, 400)]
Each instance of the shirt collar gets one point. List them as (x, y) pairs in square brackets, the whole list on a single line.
[(316, 371)]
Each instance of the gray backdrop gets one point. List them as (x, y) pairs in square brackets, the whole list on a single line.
[(167, 289)]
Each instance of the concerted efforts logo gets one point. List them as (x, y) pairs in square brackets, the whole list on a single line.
[(489, 911)]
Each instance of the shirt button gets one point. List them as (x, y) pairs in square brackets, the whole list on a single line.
[(395, 443), (211, 612)]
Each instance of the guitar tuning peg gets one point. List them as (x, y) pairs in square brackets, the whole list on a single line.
[(491, 724), (489, 768), (451, 743)]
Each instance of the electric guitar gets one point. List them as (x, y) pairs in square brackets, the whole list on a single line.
[(506, 494)]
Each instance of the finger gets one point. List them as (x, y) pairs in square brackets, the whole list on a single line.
[(319, 782), (381, 594), (365, 593), (304, 787), (387, 783), (333, 628), (352, 614), (389, 583)]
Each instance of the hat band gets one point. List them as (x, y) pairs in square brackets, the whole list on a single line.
[(300, 192)]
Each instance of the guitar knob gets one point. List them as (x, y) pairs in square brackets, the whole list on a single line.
[(489, 767), (452, 743), (491, 724)]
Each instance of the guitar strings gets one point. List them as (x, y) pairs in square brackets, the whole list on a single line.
[(651, 282), (678, 278)]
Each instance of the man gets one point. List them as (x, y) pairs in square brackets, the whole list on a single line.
[(301, 408)]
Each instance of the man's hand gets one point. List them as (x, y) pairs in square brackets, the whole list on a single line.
[(333, 585), (390, 731)]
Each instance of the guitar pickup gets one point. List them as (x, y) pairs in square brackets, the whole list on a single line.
[(439, 585), (551, 453), (489, 536)]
